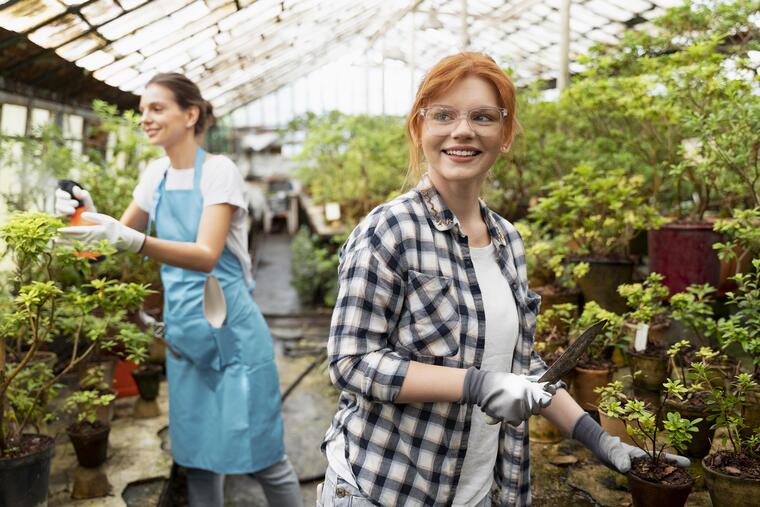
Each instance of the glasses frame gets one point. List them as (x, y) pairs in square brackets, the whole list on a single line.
[(503, 112)]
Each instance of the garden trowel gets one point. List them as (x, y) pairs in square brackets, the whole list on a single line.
[(214, 306)]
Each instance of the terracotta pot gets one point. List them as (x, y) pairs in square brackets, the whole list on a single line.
[(148, 379), (652, 494), (684, 255), (602, 280), (543, 431), (653, 370), (584, 383), (728, 491), (615, 427), (91, 448), (25, 479), (701, 441)]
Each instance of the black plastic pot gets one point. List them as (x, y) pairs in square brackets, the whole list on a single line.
[(24, 480), (601, 282), (701, 441), (91, 446), (148, 379)]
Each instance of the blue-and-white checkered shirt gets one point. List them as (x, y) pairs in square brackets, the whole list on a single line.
[(408, 292)]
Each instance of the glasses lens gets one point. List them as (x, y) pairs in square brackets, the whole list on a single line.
[(484, 121)]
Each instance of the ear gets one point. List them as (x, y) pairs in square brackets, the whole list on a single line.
[(191, 116)]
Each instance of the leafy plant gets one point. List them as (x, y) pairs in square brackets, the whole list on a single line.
[(85, 404), (642, 424), (743, 231), (611, 337), (35, 310), (545, 256), (647, 300), (743, 326), (598, 211), (692, 308), (612, 399), (315, 268)]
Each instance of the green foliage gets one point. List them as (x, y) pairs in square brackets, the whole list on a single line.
[(611, 337), (612, 399), (358, 161), (315, 268), (647, 300), (743, 326), (545, 256), (85, 404), (743, 231), (598, 210), (40, 307), (692, 308)]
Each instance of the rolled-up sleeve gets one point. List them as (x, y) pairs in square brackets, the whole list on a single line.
[(370, 299)]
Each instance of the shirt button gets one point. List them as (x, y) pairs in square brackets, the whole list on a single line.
[(513, 285)]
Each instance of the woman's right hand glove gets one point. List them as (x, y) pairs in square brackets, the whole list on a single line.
[(505, 396), (65, 203)]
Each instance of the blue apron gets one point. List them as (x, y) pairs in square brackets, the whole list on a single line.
[(224, 394)]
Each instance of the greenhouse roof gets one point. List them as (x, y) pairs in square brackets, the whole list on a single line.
[(241, 50)]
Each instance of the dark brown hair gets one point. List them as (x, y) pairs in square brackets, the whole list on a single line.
[(186, 94)]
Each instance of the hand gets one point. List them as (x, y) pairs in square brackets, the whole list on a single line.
[(107, 228), (506, 396), (65, 204), (613, 453)]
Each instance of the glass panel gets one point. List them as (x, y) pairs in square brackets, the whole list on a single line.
[(110, 70), (40, 118), (95, 60), (13, 120), (102, 11), (139, 17), (81, 47), (73, 126), (59, 31), (22, 16)]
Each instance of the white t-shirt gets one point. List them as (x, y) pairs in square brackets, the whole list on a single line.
[(221, 182), (502, 326)]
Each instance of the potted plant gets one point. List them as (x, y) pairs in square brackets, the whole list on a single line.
[(611, 410), (694, 400), (94, 380), (732, 474), (653, 480), (743, 328), (38, 297), (88, 434), (599, 212), (595, 367), (646, 322), (555, 280), (741, 246), (551, 339)]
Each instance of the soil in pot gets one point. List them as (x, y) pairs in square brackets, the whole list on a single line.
[(25, 474), (692, 408), (148, 379), (90, 442), (732, 480), (652, 363), (664, 484)]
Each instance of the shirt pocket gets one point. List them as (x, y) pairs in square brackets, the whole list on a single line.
[(434, 321)]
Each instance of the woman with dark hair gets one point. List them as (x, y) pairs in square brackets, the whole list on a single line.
[(224, 396)]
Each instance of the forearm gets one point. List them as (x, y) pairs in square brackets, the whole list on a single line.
[(194, 256), (429, 383), (564, 412)]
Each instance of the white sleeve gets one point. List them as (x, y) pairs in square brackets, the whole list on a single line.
[(143, 192), (222, 183)]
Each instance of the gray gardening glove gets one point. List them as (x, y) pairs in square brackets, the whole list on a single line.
[(613, 453), (505, 396)]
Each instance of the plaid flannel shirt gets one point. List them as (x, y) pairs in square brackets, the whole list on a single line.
[(408, 292)]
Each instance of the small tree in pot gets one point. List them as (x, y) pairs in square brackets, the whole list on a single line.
[(646, 321), (653, 480), (88, 434)]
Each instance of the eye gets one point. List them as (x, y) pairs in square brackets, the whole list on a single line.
[(484, 116), (443, 115)]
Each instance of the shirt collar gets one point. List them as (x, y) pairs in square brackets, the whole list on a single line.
[(445, 220)]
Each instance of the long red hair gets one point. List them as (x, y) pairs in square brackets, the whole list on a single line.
[(439, 80)]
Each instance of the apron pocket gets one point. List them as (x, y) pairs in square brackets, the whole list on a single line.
[(195, 342), (227, 344)]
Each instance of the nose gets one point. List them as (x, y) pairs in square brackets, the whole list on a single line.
[(144, 118), (462, 128)]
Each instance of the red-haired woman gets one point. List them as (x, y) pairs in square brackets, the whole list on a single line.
[(224, 395), (432, 333)]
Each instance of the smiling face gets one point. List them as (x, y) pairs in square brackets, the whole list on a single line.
[(162, 119), (461, 156)]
